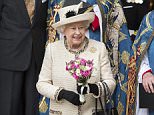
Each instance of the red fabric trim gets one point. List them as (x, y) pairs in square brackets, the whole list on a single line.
[(146, 72), (95, 24)]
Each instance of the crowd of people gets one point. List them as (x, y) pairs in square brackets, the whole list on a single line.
[(56, 56)]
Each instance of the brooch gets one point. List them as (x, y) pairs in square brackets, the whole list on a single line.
[(93, 49)]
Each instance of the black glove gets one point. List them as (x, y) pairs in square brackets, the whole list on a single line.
[(92, 87), (70, 96)]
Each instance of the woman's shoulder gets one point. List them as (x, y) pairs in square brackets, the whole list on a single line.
[(96, 43), (56, 43), (55, 46)]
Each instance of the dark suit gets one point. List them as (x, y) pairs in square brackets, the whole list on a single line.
[(135, 12), (22, 46)]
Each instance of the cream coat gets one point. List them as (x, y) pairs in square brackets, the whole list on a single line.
[(54, 75)]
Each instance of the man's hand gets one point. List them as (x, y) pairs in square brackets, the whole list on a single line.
[(148, 82)]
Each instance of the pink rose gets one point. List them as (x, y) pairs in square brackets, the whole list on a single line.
[(75, 76)]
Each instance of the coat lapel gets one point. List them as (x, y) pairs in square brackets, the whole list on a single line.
[(21, 4), (24, 12), (37, 7)]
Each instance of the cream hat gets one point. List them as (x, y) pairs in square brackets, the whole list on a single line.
[(71, 14)]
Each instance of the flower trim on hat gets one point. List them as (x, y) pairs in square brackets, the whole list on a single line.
[(70, 14)]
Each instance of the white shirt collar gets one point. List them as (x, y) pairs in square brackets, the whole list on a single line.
[(135, 1)]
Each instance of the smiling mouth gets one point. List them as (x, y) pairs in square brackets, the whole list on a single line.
[(76, 38)]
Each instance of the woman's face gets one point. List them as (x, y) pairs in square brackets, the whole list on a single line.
[(75, 34)]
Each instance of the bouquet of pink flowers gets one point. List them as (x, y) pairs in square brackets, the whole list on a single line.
[(81, 70)]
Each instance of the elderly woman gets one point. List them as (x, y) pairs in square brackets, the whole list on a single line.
[(56, 83)]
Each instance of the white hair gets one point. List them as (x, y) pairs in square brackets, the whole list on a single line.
[(62, 28)]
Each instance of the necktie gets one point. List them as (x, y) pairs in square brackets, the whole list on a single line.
[(30, 5)]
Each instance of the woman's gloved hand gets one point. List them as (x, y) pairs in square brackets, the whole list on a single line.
[(93, 88), (70, 96)]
